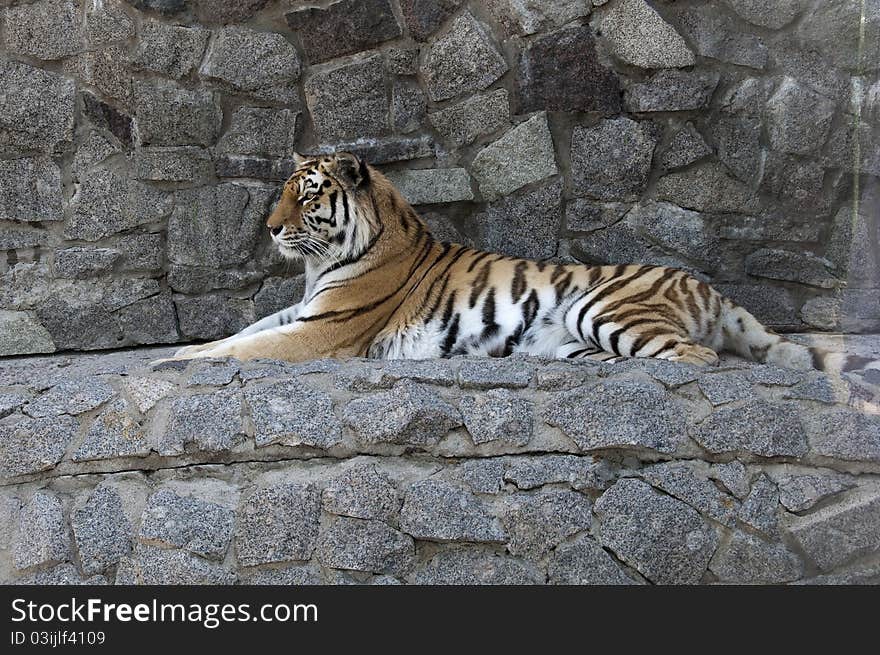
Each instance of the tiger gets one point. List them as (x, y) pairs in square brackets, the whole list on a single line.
[(379, 285)]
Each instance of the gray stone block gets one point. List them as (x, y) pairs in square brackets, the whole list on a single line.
[(101, 530), (350, 100), (424, 17), (845, 434), (213, 316), (508, 226), (746, 559), (408, 414), (663, 538), (619, 413), (22, 334), (170, 115), (432, 185), (686, 147), (757, 426), (30, 190), (258, 131), (114, 433), (108, 203), (62, 574), (799, 119), (264, 65), (277, 524), (37, 112), (498, 415), (72, 396), (640, 37), (106, 70), (760, 509), (291, 413), (198, 526), (362, 492), (580, 473), (407, 106), (224, 12), (288, 575), (771, 15), (504, 372), (208, 421), (107, 22), (467, 566), (157, 566), (481, 114), (523, 155), (277, 293), (82, 263), (343, 28), (837, 534), (671, 90), (32, 445), (175, 164), (585, 562), (692, 485), (462, 60), (171, 50), (537, 523), (42, 534), (362, 545), (707, 187), (612, 160), (483, 476), (561, 71), (716, 36), (437, 511), (798, 493), (48, 29)]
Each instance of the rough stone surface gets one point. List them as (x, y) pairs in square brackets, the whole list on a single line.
[(169, 49), (716, 36), (672, 91), (350, 100), (278, 524), (114, 433), (292, 414), (102, 530), (798, 493), (464, 566), (344, 27), (760, 508), (22, 334), (618, 413), (30, 190), (37, 108), (170, 115), (523, 155), (499, 415), (836, 534), (474, 65), (362, 492), (844, 434), (640, 37), (463, 122), (537, 523), (585, 562), (408, 414), (42, 535), (433, 185), (505, 225), (158, 566), (747, 559), (798, 119), (691, 485), (561, 71), (757, 426), (31, 445), (663, 538), (207, 421), (438, 511), (262, 64), (362, 545), (612, 160), (49, 29), (173, 521)]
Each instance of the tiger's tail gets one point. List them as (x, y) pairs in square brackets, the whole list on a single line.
[(747, 337)]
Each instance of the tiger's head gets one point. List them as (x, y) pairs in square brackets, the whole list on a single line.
[(317, 216)]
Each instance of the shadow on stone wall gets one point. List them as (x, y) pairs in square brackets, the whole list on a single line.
[(142, 144)]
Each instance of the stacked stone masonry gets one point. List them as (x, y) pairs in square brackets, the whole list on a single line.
[(461, 471), (143, 142)]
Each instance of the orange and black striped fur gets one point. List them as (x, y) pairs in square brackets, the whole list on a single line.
[(379, 285)]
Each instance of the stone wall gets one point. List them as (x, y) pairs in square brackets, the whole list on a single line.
[(142, 143), (450, 471)]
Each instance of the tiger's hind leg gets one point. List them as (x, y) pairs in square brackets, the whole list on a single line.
[(577, 350)]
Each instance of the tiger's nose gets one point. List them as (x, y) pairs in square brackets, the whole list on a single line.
[(276, 229)]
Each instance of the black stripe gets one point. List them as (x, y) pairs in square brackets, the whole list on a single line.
[(476, 260), (518, 286), (668, 345), (490, 327), (447, 312), (451, 336), (480, 283), (530, 310)]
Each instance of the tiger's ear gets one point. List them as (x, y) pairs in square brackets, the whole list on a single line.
[(299, 160), (350, 170)]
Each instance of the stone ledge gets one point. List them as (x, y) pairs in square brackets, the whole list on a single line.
[(464, 470)]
